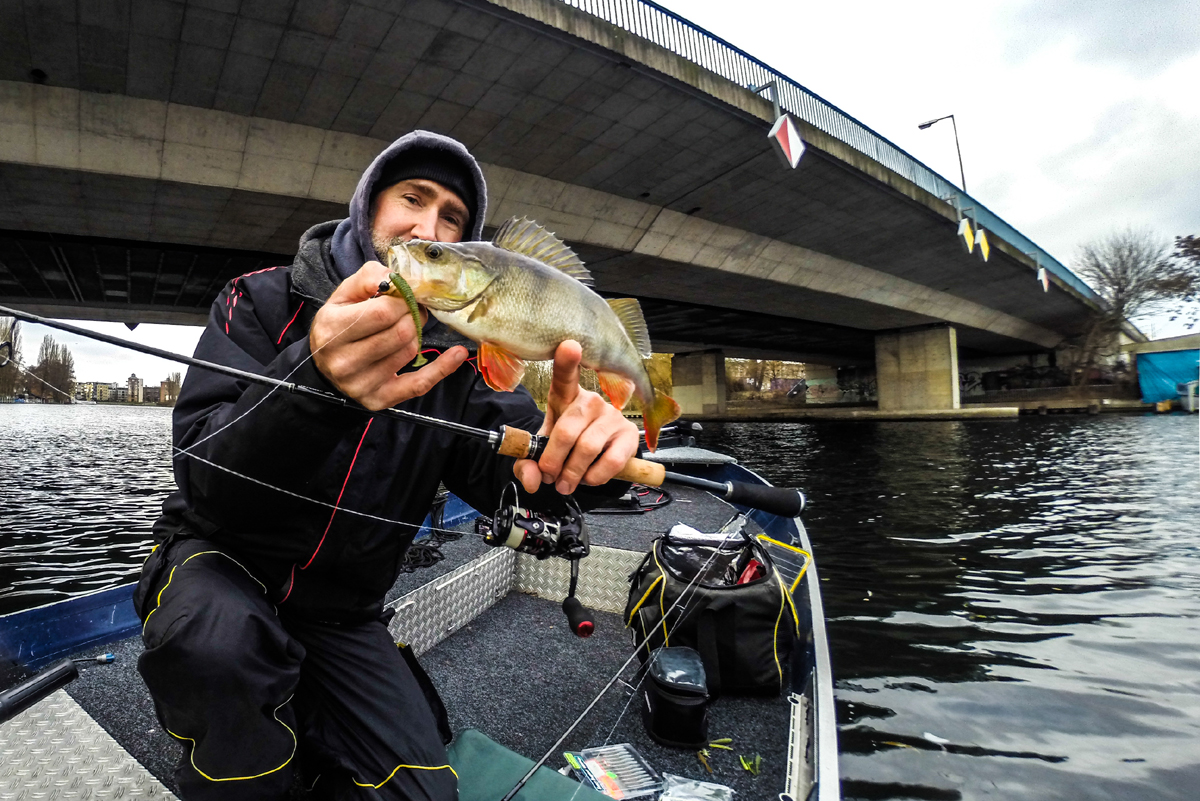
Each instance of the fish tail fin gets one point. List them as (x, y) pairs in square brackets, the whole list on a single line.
[(662, 410)]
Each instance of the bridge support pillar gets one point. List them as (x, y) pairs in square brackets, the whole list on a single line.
[(917, 369), (699, 382)]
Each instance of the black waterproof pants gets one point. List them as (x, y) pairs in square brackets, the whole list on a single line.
[(250, 694)]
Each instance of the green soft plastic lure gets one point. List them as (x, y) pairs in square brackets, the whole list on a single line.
[(402, 289)]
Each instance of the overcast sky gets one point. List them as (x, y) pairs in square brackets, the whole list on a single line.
[(1077, 118), (98, 361)]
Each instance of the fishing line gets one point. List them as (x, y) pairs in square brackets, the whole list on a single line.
[(634, 689), (31, 374), (298, 496), (269, 392)]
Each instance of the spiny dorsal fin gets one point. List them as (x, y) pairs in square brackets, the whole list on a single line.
[(629, 312), (530, 239)]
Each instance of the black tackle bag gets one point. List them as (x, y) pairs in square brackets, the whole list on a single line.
[(743, 631)]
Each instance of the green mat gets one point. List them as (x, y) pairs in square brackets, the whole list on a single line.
[(487, 771)]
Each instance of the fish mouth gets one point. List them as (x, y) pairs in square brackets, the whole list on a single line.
[(400, 261)]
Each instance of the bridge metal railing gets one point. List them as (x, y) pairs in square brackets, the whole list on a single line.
[(668, 30)]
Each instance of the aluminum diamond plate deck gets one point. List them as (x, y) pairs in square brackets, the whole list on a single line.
[(603, 577), (430, 614), (55, 750)]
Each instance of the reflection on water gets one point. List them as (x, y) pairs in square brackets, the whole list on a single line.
[(1013, 606), (80, 488)]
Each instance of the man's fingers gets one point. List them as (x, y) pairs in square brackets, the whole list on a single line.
[(583, 428), (587, 447), (567, 429), (362, 285), (622, 447), (370, 346), (366, 383), (529, 474), (564, 382), (400, 388)]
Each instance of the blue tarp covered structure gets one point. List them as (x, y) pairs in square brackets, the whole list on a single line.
[(1160, 374)]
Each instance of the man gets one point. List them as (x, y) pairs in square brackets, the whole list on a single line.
[(264, 628)]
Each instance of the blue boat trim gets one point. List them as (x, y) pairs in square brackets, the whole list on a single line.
[(35, 637)]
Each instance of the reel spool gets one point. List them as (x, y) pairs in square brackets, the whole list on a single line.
[(543, 536)]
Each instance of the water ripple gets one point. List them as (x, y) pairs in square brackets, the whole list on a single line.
[(1013, 607), (81, 488)]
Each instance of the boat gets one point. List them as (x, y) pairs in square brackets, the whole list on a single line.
[(96, 735)]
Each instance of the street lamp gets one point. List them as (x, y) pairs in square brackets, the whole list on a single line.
[(950, 117)]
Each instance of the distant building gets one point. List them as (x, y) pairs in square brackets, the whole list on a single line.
[(136, 387), (118, 393), (93, 391), (150, 394), (164, 393)]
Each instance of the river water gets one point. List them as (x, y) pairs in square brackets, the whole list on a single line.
[(1014, 607)]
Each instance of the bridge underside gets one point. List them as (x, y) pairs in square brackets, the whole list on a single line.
[(169, 150), (133, 281)]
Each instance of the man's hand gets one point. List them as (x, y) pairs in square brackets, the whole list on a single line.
[(582, 426), (359, 342)]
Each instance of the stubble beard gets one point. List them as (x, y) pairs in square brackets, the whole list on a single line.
[(383, 244)]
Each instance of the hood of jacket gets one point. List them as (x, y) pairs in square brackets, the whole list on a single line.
[(351, 245)]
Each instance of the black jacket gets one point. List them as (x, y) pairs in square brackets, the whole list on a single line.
[(380, 474)]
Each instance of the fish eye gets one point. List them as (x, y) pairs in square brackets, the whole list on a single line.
[(433, 251)]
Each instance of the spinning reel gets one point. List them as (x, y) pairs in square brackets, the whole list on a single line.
[(543, 536)]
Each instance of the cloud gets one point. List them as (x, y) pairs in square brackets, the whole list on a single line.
[(1138, 168), (1143, 38)]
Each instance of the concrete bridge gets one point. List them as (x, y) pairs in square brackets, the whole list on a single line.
[(151, 150)]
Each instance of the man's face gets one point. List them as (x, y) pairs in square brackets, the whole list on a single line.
[(417, 208)]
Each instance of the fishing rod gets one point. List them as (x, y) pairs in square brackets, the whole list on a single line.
[(506, 440)]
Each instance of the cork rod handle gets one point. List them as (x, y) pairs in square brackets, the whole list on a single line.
[(640, 471), (516, 443)]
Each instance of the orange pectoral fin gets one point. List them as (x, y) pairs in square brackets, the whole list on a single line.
[(617, 387), (501, 370)]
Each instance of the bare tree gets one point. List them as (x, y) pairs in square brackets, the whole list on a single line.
[(10, 376), (1134, 273), (174, 382), (53, 378), (537, 381), (1187, 257)]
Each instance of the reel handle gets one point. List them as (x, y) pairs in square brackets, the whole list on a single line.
[(577, 617)]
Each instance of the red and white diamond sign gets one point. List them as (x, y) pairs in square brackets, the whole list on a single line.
[(787, 141)]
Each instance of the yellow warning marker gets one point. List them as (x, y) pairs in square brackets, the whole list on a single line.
[(967, 234), (985, 247)]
